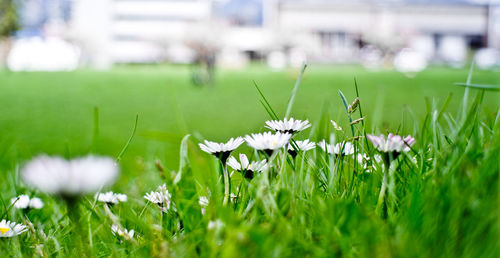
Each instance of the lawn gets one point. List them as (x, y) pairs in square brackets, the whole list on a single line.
[(435, 196), (54, 112)]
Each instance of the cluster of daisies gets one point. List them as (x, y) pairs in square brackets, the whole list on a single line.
[(72, 179), (269, 142)]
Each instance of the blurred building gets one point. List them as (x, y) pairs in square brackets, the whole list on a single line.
[(135, 30), (439, 29), (282, 32)]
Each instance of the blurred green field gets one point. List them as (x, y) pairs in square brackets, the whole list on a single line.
[(53, 112)]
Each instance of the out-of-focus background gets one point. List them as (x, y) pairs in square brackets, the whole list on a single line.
[(408, 34), (189, 66)]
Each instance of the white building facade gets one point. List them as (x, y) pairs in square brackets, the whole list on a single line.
[(342, 28), (136, 31), (146, 31)]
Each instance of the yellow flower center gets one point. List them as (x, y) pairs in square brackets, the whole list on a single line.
[(274, 144), (4, 230)]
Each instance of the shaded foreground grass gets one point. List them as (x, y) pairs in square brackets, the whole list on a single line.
[(442, 197)]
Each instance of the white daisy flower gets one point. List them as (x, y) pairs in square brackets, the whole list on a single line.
[(221, 150), (36, 203), (25, 202), (363, 160), (110, 197), (393, 143), (10, 229), (366, 162), (161, 197), (56, 175), (344, 148), (267, 141), (391, 147), (290, 126), (245, 167), (122, 232), (300, 146), (203, 202), (20, 202)]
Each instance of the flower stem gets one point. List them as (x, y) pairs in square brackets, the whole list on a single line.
[(383, 190), (227, 184), (74, 217)]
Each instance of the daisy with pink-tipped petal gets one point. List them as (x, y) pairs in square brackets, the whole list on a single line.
[(392, 146), (288, 125), (221, 150), (268, 142), (393, 143)]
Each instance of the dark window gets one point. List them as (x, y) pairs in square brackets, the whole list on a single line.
[(475, 41)]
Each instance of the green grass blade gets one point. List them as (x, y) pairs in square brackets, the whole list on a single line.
[(361, 113), (479, 86), (466, 93), (183, 156), (266, 104), (359, 105), (497, 119), (294, 91), (120, 156), (445, 105), (344, 100)]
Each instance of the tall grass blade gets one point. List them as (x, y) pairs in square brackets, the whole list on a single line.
[(120, 156), (266, 104), (359, 105), (294, 91), (466, 93), (445, 105), (344, 100), (479, 86), (183, 157)]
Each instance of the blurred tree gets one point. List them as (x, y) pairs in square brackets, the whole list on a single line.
[(9, 24), (9, 20)]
